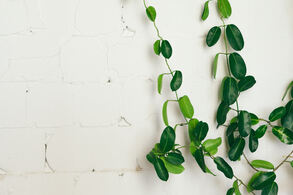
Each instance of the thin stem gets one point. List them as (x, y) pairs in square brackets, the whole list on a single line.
[(250, 163), (243, 183), (288, 156), (180, 124), (268, 122)]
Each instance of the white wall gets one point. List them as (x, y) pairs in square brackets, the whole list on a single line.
[(72, 76)]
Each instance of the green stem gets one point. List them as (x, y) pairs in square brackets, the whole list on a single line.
[(250, 163)]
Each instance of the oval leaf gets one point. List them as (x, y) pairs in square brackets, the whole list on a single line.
[(234, 37), (262, 164), (244, 124), (206, 11), (287, 119), (160, 83), (236, 188), (222, 113), (215, 65), (151, 13), (230, 90), (213, 36), (191, 130), (270, 190), (237, 65), (212, 145), (253, 142), (157, 47), (254, 119), (246, 83), (224, 167), (167, 140), (151, 157), (199, 157), (237, 149), (224, 8), (263, 180), (186, 107), (175, 169), (201, 131), (277, 114), (284, 135), (166, 49), (176, 81), (161, 170), (164, 113), (259, 133), (175, 158), (254, 176), (230, 133)]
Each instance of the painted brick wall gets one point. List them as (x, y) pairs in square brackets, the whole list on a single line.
[(78, 102)]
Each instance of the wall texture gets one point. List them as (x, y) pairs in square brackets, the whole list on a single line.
[(78, 103)]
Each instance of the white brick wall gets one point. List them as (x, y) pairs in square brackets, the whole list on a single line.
[(79, 76)]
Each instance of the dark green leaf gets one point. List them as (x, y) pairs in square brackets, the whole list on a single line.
[(244, 124), (211, 145), (263, 180), (262, 164), (175, 158), (201, 131), (166, 49), (230, 191), (291, 92), (175, 169), (237, 149), (160, 83), (230, 133), (151, 13), (157, 47), (277, 114), (186, 107), (199, 157), (237, 65), (213, 36), (230, 91), (224, 8), (164, 113), (236, 188), (246, 83), (254, 176), (291, 163), (206, 11), (167, 140), (176, 81), (287, 119), (284, 135), (215, 65), (224, 167), (191, 130), (222, 113), (151, 157), (161, 170), (254, 119), (234, 37), (271, 189), (253, 141), (259, 133)]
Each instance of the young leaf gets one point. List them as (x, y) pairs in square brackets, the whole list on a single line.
[(254, 119), (191, 129), (224, 167), (215, 65), (237, 65), (287, 119), (213, 36), (236, 188), (271, 189), (260, 131), (175, 158), (161, 170), (160, 83), (234, 37), (263, 180), (199, 157), (237, 149), (186, 107), (262, 164), (164, 113), (206, 11), (244, 124), (151, 13), (222, 113), (254, 176), (277, 114), (157, 47), (288, 88), (176, 81), (246, 83), (230, 91), (201, 131), (224, 8), (166, 49), (175, 169), (211, 145), (167, 140), (230, 191), (253, 141), (284, 135)]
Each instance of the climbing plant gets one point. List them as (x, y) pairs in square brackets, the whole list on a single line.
[(166, 155)]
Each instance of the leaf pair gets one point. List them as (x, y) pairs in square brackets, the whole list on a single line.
[(175, 83), (263, 181), (224, 8)]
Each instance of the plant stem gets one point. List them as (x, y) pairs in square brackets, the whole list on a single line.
[(268, 122), (288, 156), (250, 163), (243, 184)]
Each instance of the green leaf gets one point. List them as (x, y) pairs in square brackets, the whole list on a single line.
[(237, 149), (262, 164), (213, 36), (211, 145), (222, 113), (151, 157), (206, 11), (230, 133), (151, 13), (234, 37), (263, 180), (186, 107), (201, 131), (254, 176), (237, 65), (230, 191), (161, 170), (277, 114), (176, 81), (244, 124), (230, 91), (246, 83), (287, 119), (167, 140), (291, 92), (199, 157), (191, 130), (291, 163), (254, 119), (164, 113), (270, 190), (175, 169), (224, 8), (261, 130), (253, 141), (175, 158), (215, 65), (160, 83), (289, 86), (157, 47), (224, 167), (166, 49), (157, 149), (236, 188), (284, 135)]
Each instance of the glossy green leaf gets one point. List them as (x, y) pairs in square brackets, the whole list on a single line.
[(277, 113), (215, 65), (230, 91), (157, 47), (230, 133), (199, 157), (263, 180), (213, 36), (167, 140), (161, 170), (151, 157), (287, 119), (191, 129), (201, 131), (271, 189), (237, 149), (236, 188), (246, 83), (175, 169), (206, 11), (234, 37), (260, 131), (157, 149), (151, 13), (160, 83), (175, 158), (237, 65), (164, 113), (211, 145), (224, 167), (283, 134), (254, 119), (254, 176), (176, 81), (224, 8), (230, 191), (262, 164), (166, 49), (186, 107), (222, 113), (253, 141), (244, 124), (288, 88)]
